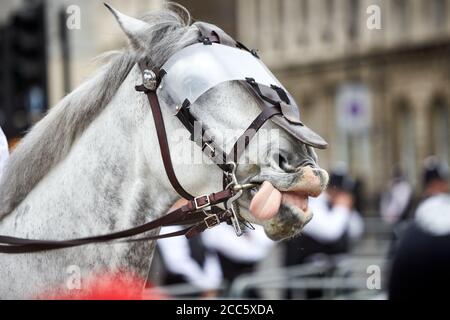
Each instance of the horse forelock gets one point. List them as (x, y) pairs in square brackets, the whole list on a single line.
[(51, 139)]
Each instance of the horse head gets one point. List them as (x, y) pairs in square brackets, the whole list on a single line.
[(279, 161)]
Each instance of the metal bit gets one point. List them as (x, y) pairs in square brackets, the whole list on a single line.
[(234, 219)]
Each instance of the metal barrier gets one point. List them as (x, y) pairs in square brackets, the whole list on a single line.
[(185, 291), (347, 275), (343, 279)]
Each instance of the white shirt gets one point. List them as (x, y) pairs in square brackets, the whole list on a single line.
[(328, 225), (177, 258), (251, 247), (395, 201), (4, 153), (433, 215)]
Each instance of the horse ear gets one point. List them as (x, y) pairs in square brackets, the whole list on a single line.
[(133, 28)]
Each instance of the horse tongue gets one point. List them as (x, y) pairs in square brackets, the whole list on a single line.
[(266, 202)]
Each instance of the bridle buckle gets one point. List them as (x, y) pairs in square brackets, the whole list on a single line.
[(212, 221), (207, 203), (211, 149)]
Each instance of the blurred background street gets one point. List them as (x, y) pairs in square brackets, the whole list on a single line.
[(371, 76)]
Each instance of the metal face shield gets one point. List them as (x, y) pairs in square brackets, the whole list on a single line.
[(193, 71)]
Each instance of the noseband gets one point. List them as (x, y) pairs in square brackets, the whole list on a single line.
[(200, 212)]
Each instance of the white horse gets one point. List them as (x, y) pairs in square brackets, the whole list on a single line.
[(93, 166)]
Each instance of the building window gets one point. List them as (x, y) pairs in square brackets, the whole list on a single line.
[(400, 15), (280, 24), (440, 132), (439, 13), (353, 19), (405, 140), (303, 13), (259, 23), (329, 22)]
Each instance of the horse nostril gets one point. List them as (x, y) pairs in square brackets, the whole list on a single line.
[(283, 163)]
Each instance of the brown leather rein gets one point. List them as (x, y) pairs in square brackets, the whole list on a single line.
[(199, 213)]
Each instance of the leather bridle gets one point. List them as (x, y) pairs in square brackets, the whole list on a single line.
[(200, 212)]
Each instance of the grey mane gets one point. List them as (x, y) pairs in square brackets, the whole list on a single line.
[(50, 140)]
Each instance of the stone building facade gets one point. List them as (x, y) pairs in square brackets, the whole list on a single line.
[(317, 48)]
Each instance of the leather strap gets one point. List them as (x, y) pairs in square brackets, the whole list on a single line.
[(185, 213), (206, 143), (244, 140), (163, 144), (214, 34)]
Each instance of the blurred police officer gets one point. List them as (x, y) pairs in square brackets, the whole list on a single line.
[(335, 225), (238, 255), (397, 203), (421, 262), (188, 261), (435, 177)]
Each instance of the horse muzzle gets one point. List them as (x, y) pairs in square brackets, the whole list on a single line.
[(281, 201)]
